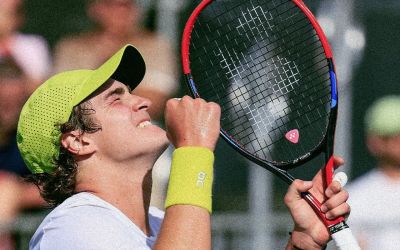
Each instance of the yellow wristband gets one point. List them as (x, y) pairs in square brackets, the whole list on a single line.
[(191, 177)]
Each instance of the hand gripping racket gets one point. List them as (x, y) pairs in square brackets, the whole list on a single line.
[(269, 66)]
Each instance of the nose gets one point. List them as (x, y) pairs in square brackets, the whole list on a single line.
[(140, 103)]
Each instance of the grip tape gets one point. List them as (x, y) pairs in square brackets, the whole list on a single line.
[(345, 240)]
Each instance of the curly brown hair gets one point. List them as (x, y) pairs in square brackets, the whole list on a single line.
[(57, 186)]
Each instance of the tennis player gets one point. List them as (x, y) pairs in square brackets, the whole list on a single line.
[(91, 147)]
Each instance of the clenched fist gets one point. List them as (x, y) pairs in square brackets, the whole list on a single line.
[(192, 122)]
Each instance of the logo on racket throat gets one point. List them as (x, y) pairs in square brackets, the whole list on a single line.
[(293, 136)]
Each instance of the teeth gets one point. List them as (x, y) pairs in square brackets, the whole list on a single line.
[(144, 124)]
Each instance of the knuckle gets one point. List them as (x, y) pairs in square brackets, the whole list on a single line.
[(346, 194), (286, 199), (336, 187), (169, 104), (297, 183), (215, 106), (186, 98), (199, 101), (348, 208)]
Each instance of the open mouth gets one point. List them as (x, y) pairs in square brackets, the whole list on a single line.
[(144, 124)]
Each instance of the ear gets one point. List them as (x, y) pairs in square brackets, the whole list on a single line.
[(77, 143)]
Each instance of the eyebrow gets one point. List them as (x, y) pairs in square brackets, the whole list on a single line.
[(117, 91)]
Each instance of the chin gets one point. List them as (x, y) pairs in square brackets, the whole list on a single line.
[(161, 144), (165, 145), (159, 151)]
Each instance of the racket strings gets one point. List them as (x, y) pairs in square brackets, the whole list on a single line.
[(263, 63), (307, 71), (262, 95)]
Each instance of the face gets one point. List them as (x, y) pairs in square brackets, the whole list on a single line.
[(127, 131), (116, 15), (387, 149), (10, 16)]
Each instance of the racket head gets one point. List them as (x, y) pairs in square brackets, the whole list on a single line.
[(270, 68)]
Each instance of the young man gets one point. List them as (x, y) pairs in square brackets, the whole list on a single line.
[(91, 146), (90, 48)]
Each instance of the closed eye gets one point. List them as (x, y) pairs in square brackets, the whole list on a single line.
[(116, 94)]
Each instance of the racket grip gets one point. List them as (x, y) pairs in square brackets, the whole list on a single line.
[(340, 231), (344, 240), (333, 225)]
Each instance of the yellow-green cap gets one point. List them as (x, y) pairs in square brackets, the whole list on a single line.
[(383, 117), (38, 135)]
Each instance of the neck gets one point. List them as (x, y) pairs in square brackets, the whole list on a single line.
[(391, 171), (128, 188)]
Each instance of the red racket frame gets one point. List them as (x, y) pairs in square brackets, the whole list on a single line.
[(328, 171)]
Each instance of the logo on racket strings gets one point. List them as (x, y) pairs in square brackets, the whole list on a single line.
[(293, 136)]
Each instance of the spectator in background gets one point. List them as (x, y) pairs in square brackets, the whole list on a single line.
[(24, 64), (118, 22), (375, 196), (15, 195), (31, 52)]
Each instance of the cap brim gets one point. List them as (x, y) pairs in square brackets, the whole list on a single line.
[(126, 66), (131, 66)]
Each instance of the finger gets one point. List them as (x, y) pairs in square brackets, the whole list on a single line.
[(339, 180), (334, 188), (335, 201), (215, 110), (295, 190), (199, 101), (338, 161), (171, 104), (341, 210), (341, 177), (186, 98)]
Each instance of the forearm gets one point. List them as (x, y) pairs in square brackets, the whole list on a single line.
[(193, 128), (299, 240), (185, 227), (187, 218)]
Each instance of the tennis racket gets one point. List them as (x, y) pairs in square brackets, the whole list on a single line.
[(269, 66)]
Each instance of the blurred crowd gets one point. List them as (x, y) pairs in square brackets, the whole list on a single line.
[(375, 196), (26, 60)]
